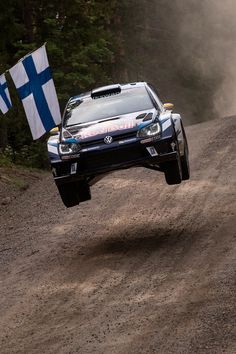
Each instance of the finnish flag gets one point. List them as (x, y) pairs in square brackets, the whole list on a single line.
[(33, 80), (5, 100)]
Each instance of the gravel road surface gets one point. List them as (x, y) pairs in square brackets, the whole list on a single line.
[(141, 268)]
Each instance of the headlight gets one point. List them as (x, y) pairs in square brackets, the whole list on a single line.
[(149, 131), (68, 148)]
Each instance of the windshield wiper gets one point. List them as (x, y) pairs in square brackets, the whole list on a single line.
[(107, 119), (91, 123)]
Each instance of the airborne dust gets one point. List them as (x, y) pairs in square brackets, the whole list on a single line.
[(187, 49)]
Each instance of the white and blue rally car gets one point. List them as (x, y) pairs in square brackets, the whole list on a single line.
[(115, 127)]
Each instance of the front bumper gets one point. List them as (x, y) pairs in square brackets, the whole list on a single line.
[(93, 163)]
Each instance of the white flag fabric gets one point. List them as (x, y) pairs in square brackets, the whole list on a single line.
[(33, 80), (5, 100)]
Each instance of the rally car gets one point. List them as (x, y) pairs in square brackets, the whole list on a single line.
[(116, 127)]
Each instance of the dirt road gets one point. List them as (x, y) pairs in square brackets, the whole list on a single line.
[(142, 268)]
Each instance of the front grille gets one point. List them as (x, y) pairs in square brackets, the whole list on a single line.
[(101, 141), (112, 157)]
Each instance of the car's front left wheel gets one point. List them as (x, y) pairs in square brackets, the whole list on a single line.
[(74, 193)]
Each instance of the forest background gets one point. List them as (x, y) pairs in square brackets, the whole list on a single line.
[(177, 45)]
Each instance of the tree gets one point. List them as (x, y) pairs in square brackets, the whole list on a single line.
[(79, 45)]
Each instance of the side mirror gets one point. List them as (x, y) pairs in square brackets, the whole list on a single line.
[(168, 106), (54, 131)]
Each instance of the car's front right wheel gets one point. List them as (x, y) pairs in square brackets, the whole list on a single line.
[(173, 171), (185, 164)]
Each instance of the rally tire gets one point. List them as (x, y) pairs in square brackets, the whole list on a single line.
[(74, 193), (173, 172), (83, 191), (185, 165)]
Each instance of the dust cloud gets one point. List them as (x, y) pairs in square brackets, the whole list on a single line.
[(187, 49), (209, 31)]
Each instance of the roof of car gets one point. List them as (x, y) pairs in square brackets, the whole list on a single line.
[(109, 87)]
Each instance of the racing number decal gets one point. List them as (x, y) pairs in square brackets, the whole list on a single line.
[(152, 151)]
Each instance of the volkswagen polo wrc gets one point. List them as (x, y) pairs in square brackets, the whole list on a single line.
[(116, 127)]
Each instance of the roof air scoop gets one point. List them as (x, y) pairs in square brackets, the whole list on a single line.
[(106, 91)]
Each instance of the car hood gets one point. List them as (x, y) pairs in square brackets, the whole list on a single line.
[(113, 126)]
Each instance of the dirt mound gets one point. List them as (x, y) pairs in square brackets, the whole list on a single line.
[(142, 268)]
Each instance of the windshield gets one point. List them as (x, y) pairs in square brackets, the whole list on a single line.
[(89, 109)]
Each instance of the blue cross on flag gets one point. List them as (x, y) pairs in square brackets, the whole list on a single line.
[(5, 100), (33, 80)]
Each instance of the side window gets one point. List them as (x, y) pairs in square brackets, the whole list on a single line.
[(156, 98)]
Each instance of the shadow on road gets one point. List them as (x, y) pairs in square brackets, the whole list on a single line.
[(138, 240)]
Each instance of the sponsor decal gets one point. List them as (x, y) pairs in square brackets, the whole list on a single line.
[(108, 128), (68, 157), (146, 141), (149, 140), (91, 148), (127, 141)]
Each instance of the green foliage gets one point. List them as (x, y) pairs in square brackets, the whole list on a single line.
[(6, 157), (32, 155), (80, 49)]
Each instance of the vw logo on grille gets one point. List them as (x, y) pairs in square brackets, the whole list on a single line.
[(108, 139)]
